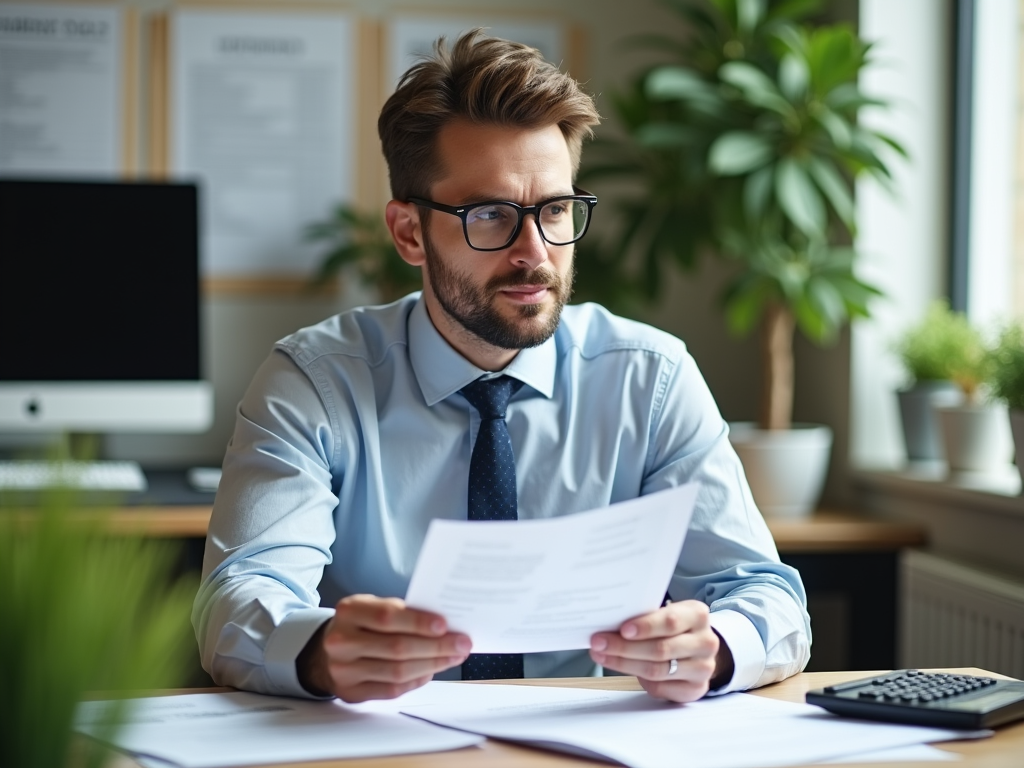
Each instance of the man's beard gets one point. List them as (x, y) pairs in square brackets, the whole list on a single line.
[(474, 307)]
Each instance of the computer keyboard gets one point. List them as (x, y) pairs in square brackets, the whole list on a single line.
[(926, 698), (113, 476)]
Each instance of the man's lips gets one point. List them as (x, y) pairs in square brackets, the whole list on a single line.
[(527, 294)]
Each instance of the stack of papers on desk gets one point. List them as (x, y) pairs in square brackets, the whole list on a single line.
[(214, 730), (733, 731), (217, 730)]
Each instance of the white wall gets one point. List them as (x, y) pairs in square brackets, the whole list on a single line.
[(904, 240)]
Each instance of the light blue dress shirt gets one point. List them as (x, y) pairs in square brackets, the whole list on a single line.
[(353, 436)]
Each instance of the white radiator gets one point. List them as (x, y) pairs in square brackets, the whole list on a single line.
[(953, 615)]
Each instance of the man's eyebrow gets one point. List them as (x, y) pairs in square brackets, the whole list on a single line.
[(490, 197)]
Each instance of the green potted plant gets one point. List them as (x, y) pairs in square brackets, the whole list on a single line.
[(747, 148), (1007, 382), (82, 612), (360, 240), (975, 433), (929, 352)]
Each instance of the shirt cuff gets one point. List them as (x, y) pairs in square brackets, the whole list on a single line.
[(284, 646), (748, 654)]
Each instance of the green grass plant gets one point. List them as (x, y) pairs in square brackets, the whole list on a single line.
[(944, 346), (1008, 366), (81, 611)]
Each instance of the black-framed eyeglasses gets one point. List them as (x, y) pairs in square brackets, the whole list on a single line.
[(495, 224)]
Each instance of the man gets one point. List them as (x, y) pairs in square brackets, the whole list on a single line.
[(357, 432)]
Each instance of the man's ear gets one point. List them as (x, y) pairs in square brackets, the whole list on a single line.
[(403, 220)]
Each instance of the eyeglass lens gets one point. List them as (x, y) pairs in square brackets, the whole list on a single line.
[(493, 225)]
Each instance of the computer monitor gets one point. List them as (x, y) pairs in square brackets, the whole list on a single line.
[(99, 308)]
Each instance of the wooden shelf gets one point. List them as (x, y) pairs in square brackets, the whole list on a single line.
[(832, 531)]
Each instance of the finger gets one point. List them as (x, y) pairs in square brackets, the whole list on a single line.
[(349, 643), (679, 691), (687, 670), (673, 619), (389, 614), (380, 671), (695, 644), (389, 647), (375, 690)]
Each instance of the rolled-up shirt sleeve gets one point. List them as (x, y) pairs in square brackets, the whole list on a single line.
[(729, 560), (270, 534)]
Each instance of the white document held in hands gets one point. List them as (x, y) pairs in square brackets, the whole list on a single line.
[(527, 586)]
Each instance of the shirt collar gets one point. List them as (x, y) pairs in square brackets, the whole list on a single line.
[(441, 371)]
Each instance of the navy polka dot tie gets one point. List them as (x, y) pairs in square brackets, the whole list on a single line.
[(492, 495)]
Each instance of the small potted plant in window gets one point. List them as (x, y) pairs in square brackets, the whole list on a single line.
[(975, 433), (928, 352), (1008, 383)]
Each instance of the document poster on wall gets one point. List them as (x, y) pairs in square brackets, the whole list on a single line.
[(61, 90), (411, 36), (261, 110)]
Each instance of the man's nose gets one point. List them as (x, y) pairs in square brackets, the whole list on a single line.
[(529, 250)]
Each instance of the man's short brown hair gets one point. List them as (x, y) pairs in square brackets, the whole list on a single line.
[(484, 80)]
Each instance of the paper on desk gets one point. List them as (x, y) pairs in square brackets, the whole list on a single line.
[(732, 731), (526, 586), (213, 730)]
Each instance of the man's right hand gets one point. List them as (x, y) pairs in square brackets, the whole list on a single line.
[(378, 648)]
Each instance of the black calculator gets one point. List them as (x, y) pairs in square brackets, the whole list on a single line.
[(940, 699)]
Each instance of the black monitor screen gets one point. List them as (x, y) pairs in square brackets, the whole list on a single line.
[(98, 281)]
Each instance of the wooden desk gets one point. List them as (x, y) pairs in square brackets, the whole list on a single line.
[(1004, 750), (826, 531)]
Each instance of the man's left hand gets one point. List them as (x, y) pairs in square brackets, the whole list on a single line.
[(647, 646)]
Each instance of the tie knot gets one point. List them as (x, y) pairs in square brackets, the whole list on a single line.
[(490, 396)]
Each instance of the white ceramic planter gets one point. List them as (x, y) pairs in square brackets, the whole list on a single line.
[(1017, 430), (785, 468), (976, 437)]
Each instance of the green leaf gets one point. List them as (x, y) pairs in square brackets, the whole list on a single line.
[(838, 130), (747, 78), (856, 295), (891, 142), (835, 56), (793, 77), (799, 199), (738, 152), (756, 191), (676, 83), (832, 184), (664, 135), (744, 302), (793, 9), (808, 321), (828, 303), (793, 39), (759, 89), (749, 14), (848, 96)]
